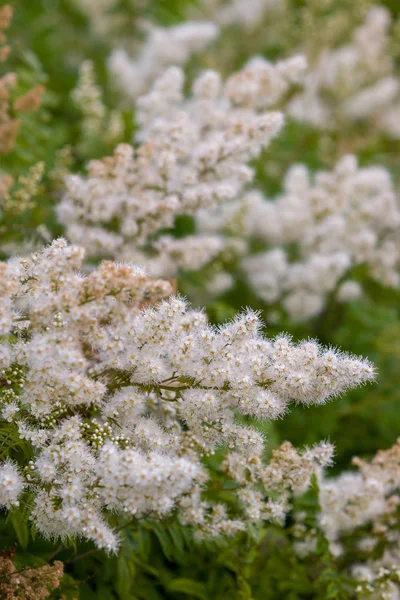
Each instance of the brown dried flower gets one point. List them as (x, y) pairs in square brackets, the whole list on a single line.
[(31, 583), (30, 101)]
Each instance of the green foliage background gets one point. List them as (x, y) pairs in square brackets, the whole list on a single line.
[(49, 40)]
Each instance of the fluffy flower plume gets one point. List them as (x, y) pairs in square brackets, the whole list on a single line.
[(193, 153), (96, 120), (246, 13), (99, 13), (163, 47), (11, 485), (359, 518), (121, 389), (349, 46), (354, 81), (316, 234)]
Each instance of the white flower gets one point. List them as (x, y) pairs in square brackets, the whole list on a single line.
[(9, 411), (164, 46), (127, 388), (193, 154), (11, 485), (332, 222)]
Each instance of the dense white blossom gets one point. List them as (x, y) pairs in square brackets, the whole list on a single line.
[(11, 485), (354, 81), (163, 47), (99, 14), (355, 498), (192, 153), (359, 518), (246, 13), (315, 234), (121, 393), (352, 74)]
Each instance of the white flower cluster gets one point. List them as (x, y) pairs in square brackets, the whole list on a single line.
[(318, 232), (193, 153), (99, 13), (247, 14), (347, 81), (264, 491), (96, 119), (121, 395), (11, 485), (163, 47), (359, 517), (356, 498), (354, 81)]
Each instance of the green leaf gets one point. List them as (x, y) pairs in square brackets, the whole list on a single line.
[(143, 542), (20, 527), (146, 567), (188, 586), (244, 589), (125, 575), (103, 592), (333, 592), (164, 539), (69, 588), (175, 532)]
